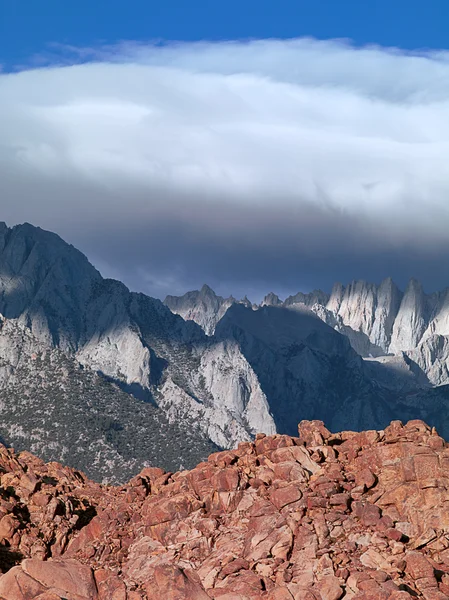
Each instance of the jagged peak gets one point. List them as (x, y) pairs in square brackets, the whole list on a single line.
[(361, 284), (51, 244), (208, 291), (414, 285), (389, 288), (271, 299), (338, 289), (388, 280), (204, 292)]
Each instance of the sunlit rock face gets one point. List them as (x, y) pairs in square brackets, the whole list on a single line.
[(316, 515)]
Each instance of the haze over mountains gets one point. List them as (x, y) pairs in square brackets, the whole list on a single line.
[(110, 381)]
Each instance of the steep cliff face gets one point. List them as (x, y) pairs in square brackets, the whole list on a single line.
[(230, 403), (439, 322), (389, 301), (412, 319), (432, 356), (317, 515), (368, 309), (394, 322), (412, 323)]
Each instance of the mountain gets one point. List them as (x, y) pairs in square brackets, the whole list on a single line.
[(318, 516), (54, 407), (395, 323), (379, 321), (308, 370), (203, 307), (412, 323), (131, 341), (89, 369)]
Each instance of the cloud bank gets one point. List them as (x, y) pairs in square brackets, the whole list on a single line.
[(252, 166)]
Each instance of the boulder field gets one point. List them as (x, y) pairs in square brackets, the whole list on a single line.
[(321, 516)]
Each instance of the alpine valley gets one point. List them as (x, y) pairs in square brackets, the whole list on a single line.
[(111, 381)]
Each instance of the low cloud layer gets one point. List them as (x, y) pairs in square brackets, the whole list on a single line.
[(256, 166)]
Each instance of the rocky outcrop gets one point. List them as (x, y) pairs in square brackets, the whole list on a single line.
[(204, 307), (318, 516)]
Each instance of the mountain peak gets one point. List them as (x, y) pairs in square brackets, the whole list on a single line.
[(414, 285), (271, 299), (208, 291), (246, 302)]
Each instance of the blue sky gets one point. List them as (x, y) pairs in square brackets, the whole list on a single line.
[(28, 26)]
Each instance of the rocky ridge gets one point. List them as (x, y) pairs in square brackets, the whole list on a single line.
[(379, 320), (382, 320), (320, 516)]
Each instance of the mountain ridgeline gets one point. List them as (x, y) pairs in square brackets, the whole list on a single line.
[(380, 321), (110, 381)]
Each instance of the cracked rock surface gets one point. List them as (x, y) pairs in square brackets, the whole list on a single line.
[(320, 516)]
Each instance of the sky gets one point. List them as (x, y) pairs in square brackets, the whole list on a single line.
[(254, 146)]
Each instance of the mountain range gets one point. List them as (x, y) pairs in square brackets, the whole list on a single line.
[(109, 380), (380, 321)]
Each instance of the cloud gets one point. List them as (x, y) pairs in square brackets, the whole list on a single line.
[(252, 166)]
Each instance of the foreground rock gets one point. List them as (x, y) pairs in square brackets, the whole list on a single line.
[(318, 517)]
